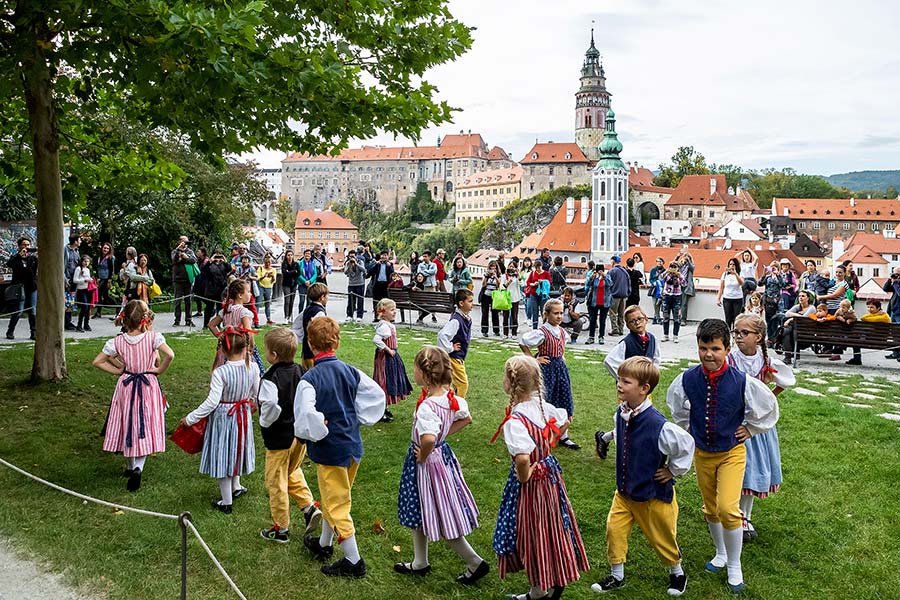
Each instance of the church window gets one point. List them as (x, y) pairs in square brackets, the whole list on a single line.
[(602, 189), (602, 214)]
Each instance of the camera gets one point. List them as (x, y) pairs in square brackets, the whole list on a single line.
[(895, 275)]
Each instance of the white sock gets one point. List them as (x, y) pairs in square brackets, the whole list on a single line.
[(717, 532), (420, 549), (461, 546), (607, 437), (139, 462), (734, 541), (618, 571), (537, 592), (236, 483), (225, 489), (309, 509), (327, 537), (129, 462), (351, 552), (746, 504), (676, 570)]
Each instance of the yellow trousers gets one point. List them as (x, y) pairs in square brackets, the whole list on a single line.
[(720, 476), (334, 487), (658, 520), (459, 378), (285, 480)]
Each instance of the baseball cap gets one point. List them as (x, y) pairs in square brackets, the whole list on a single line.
[(784, 261)]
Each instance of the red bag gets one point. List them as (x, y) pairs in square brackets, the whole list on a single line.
[(190, 439)]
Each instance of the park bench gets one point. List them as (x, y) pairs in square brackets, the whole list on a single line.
[(874, 336), (416, 300)]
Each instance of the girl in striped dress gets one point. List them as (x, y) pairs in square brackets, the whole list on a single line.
[(762, 475), (390, 372), (550, 340), (136, 425), (536, 527), (236, 315), (228, 448), (434, 500)]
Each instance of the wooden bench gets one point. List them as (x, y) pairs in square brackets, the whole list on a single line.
[(874, 336), (415, 300)]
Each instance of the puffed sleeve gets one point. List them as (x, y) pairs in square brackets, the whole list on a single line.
[(463, 412), (533, 338), (216, 386), (109, 348), (369, 401), (560, 414), (447, 333), (516, 437), (615, 359), (427, 421), (269, 410), (784, 375), (656, 358), (158, 340), (382, 332), (309, 424), (297, 328), (679, 404), (678, 445), (760, 406)]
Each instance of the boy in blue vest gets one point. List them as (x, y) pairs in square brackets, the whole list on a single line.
[(284, 452), (333, 399), (454, 337), (317, 298), (638, 342), (651, 452), (721, 408)]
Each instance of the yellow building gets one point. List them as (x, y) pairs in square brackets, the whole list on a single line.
[(483, 194)]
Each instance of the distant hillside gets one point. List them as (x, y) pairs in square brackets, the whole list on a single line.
[(866, 180)]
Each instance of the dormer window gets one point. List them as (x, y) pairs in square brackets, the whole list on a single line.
[(306, 221), (318, 222), (568, 156), (534, 156)]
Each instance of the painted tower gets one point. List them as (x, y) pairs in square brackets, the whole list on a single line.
[(609, 228), (591, 104)]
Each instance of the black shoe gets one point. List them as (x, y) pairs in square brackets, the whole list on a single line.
[(469, 578), (189, 324), (407, 569), (10, 336), (235, 494), (313, 519), (321, 553), (223, 508), (602, 445), (31, 337), (197, 314), (345, 568), (853, 361), (176, 324), (607, 585), (79, 329), (134, 481), (273, 534), (127, 472), (387, 417), (69, 327), (677, 584), (569, 444), (87, 327)]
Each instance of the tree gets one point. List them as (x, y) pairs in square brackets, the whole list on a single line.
[(685, 161), (227, 77), (285, 215), (734, 175), (786, 183), (448, 238)]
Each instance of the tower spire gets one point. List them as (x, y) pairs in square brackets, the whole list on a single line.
[(610, 147)]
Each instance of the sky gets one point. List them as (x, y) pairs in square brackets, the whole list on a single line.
[(812, 85)]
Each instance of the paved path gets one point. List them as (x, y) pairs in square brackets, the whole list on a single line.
[(24, 579)]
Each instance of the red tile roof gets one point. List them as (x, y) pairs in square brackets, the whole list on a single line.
[(495, 176), (563, 237), (498, 153), (640, 176), (876, 242), (862, 255), (555, 153), (652, 188), (753, 225), (837, 209), (326, 220), (452, 146), (695, 190)]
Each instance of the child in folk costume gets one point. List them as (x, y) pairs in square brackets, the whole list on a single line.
[(454, 338), (652, 451), (536, 527), (316, 299), (550, 340), (136, 424), (762, 476), (721, 408), (236, 315), (434, 500), (332, 401), (284, 452), (228, 448), (390, 372)]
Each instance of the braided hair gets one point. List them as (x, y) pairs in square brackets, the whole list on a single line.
[(234, 290), (434, 364), (758, 326), (233, 342), (522, 377)]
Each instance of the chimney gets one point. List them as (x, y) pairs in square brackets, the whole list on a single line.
[(837, 249), (712, 186), (570, 210), (852, 201), (585, 209)]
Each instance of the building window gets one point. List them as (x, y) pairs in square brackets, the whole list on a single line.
[(875, 228), (568, 170), (816, 224), (831, 225), (861, 226), (712, 214), (602, 189), (531, 186), (552, 185), (859, 272), (801, 225), (690, 214), (875, 272), (551, 170)]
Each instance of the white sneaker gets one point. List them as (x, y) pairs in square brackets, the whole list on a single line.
[(665, 338), (676, 339)]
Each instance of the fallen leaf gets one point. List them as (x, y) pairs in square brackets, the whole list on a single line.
[(23, 407), (396, 549), (497, 461), (378, 527), (118, 511)]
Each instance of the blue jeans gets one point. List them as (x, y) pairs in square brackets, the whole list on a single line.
[(671, 305), (266, 295), (533, 310)]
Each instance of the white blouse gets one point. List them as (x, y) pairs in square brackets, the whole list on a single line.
[(731, 291), (109, 348), (383, 331), (751, 365), (535, 337), (616, 357), (309, 424), (516, 434), (748, 269), (514, 285), (674, 442), (217, 386), (429, 423)]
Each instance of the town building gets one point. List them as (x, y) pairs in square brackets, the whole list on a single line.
[(808, 249), (609, 231), (827, 218), (326, 229), (885, 245), (550, 165), (648, 201), (485, 193), (706, 200), (264, 212), (745, 230)]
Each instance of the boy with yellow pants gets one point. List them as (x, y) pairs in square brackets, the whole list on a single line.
[(721, 408), (650, 452)]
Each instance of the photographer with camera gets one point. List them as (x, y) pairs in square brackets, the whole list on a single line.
[(182, 256), (24, 285)]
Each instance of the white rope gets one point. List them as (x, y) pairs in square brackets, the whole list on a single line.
[(213, 558)]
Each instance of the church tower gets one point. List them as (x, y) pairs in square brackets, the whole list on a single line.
[(591, 104), (609, 206)]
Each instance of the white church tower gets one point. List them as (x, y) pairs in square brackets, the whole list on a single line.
[(609, 230)]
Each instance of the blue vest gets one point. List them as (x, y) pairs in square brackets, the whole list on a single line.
[(335, 383), (717, 407), (638, 457), (462, 337), (635, 347), (311, 311)]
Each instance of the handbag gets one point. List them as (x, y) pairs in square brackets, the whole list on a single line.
[(500, 300), (154, 290), (192, 271), (190, 438)]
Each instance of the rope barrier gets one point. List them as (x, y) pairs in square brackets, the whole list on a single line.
[(214, 560)]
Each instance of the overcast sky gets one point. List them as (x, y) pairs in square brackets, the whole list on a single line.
[(813, 85)]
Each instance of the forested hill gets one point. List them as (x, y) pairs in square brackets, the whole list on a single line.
[(866, 180)]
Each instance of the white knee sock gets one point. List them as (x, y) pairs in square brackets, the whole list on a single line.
[(676, 570), (236, 483), (537, 592), (327, 537), (139, 462), (734, 541), (746, 506), (351, 552), (420, 549), (717, 532), (617, 571), (225, 489), (608, 436), (461, 546)]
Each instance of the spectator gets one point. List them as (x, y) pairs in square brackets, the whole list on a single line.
[(558, 276), (655, 292), (772, 282), (731, 295), (846, 315), (874, 314), (380, 274), (199, 287), (414, 261), (459, 276), (805, 308), (686, 267), (501, 263), (636, 277), (621, 289), (573, 319), (599, 299), (82, 280), (545, 258), (639, 264), (673, 286), (318, 258), (72, 260), (892, 286), (24, 265), (290, 271), (247, 272), (441, 277), (537, 291), (106, 267), (308, 276), (510, 280), (749, 271), (130, 290), (215, 279), (526, 269), (182, 256), (235, 260), (355, 270), (837, 291), (809, 277), (789, 287), (142, 277), (329, 264), (429, 270), (489, 285), (851, 277), (267, 277)]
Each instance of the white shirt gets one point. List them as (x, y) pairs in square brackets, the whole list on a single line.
[(535, 337), (751, 365), (297, 326), (748, 269), (732, 290), (81, 277), (109, 348), (267, 400), (383, 331), (217, 386), (514, 285), (309, 424), (514, 431), (429, 423), (674, 442), (616, 357), (760, 405), (448, 332)]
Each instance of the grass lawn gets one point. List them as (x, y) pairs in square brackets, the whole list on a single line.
[(830, 533)]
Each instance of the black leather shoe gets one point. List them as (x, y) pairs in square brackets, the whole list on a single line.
[(602, 445), (469, 578), (345, 568), (134, 481), (321, 553), (407, 569), (569, 444)]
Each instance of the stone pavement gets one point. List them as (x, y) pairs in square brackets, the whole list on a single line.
[(24, 579)]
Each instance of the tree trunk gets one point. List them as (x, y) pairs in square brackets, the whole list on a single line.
[(49, 348)]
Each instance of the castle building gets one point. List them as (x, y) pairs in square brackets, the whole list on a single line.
[(609, 230), (591, 104), (551, 165), (485, 193)]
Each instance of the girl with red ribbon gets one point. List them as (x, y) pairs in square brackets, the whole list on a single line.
[(228, 448), (434, 500), (390, 372), (237, 316)]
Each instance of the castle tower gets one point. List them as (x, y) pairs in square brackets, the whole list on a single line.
[(591, 103), (609, 228)]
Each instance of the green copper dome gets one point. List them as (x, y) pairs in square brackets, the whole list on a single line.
[(610, 147)]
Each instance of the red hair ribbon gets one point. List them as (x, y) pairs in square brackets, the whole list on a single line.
[(768, 369), (422, 397), (454, 403), (243, 329), (144, 321), (502, 423), (549, 428), (229, 331)]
